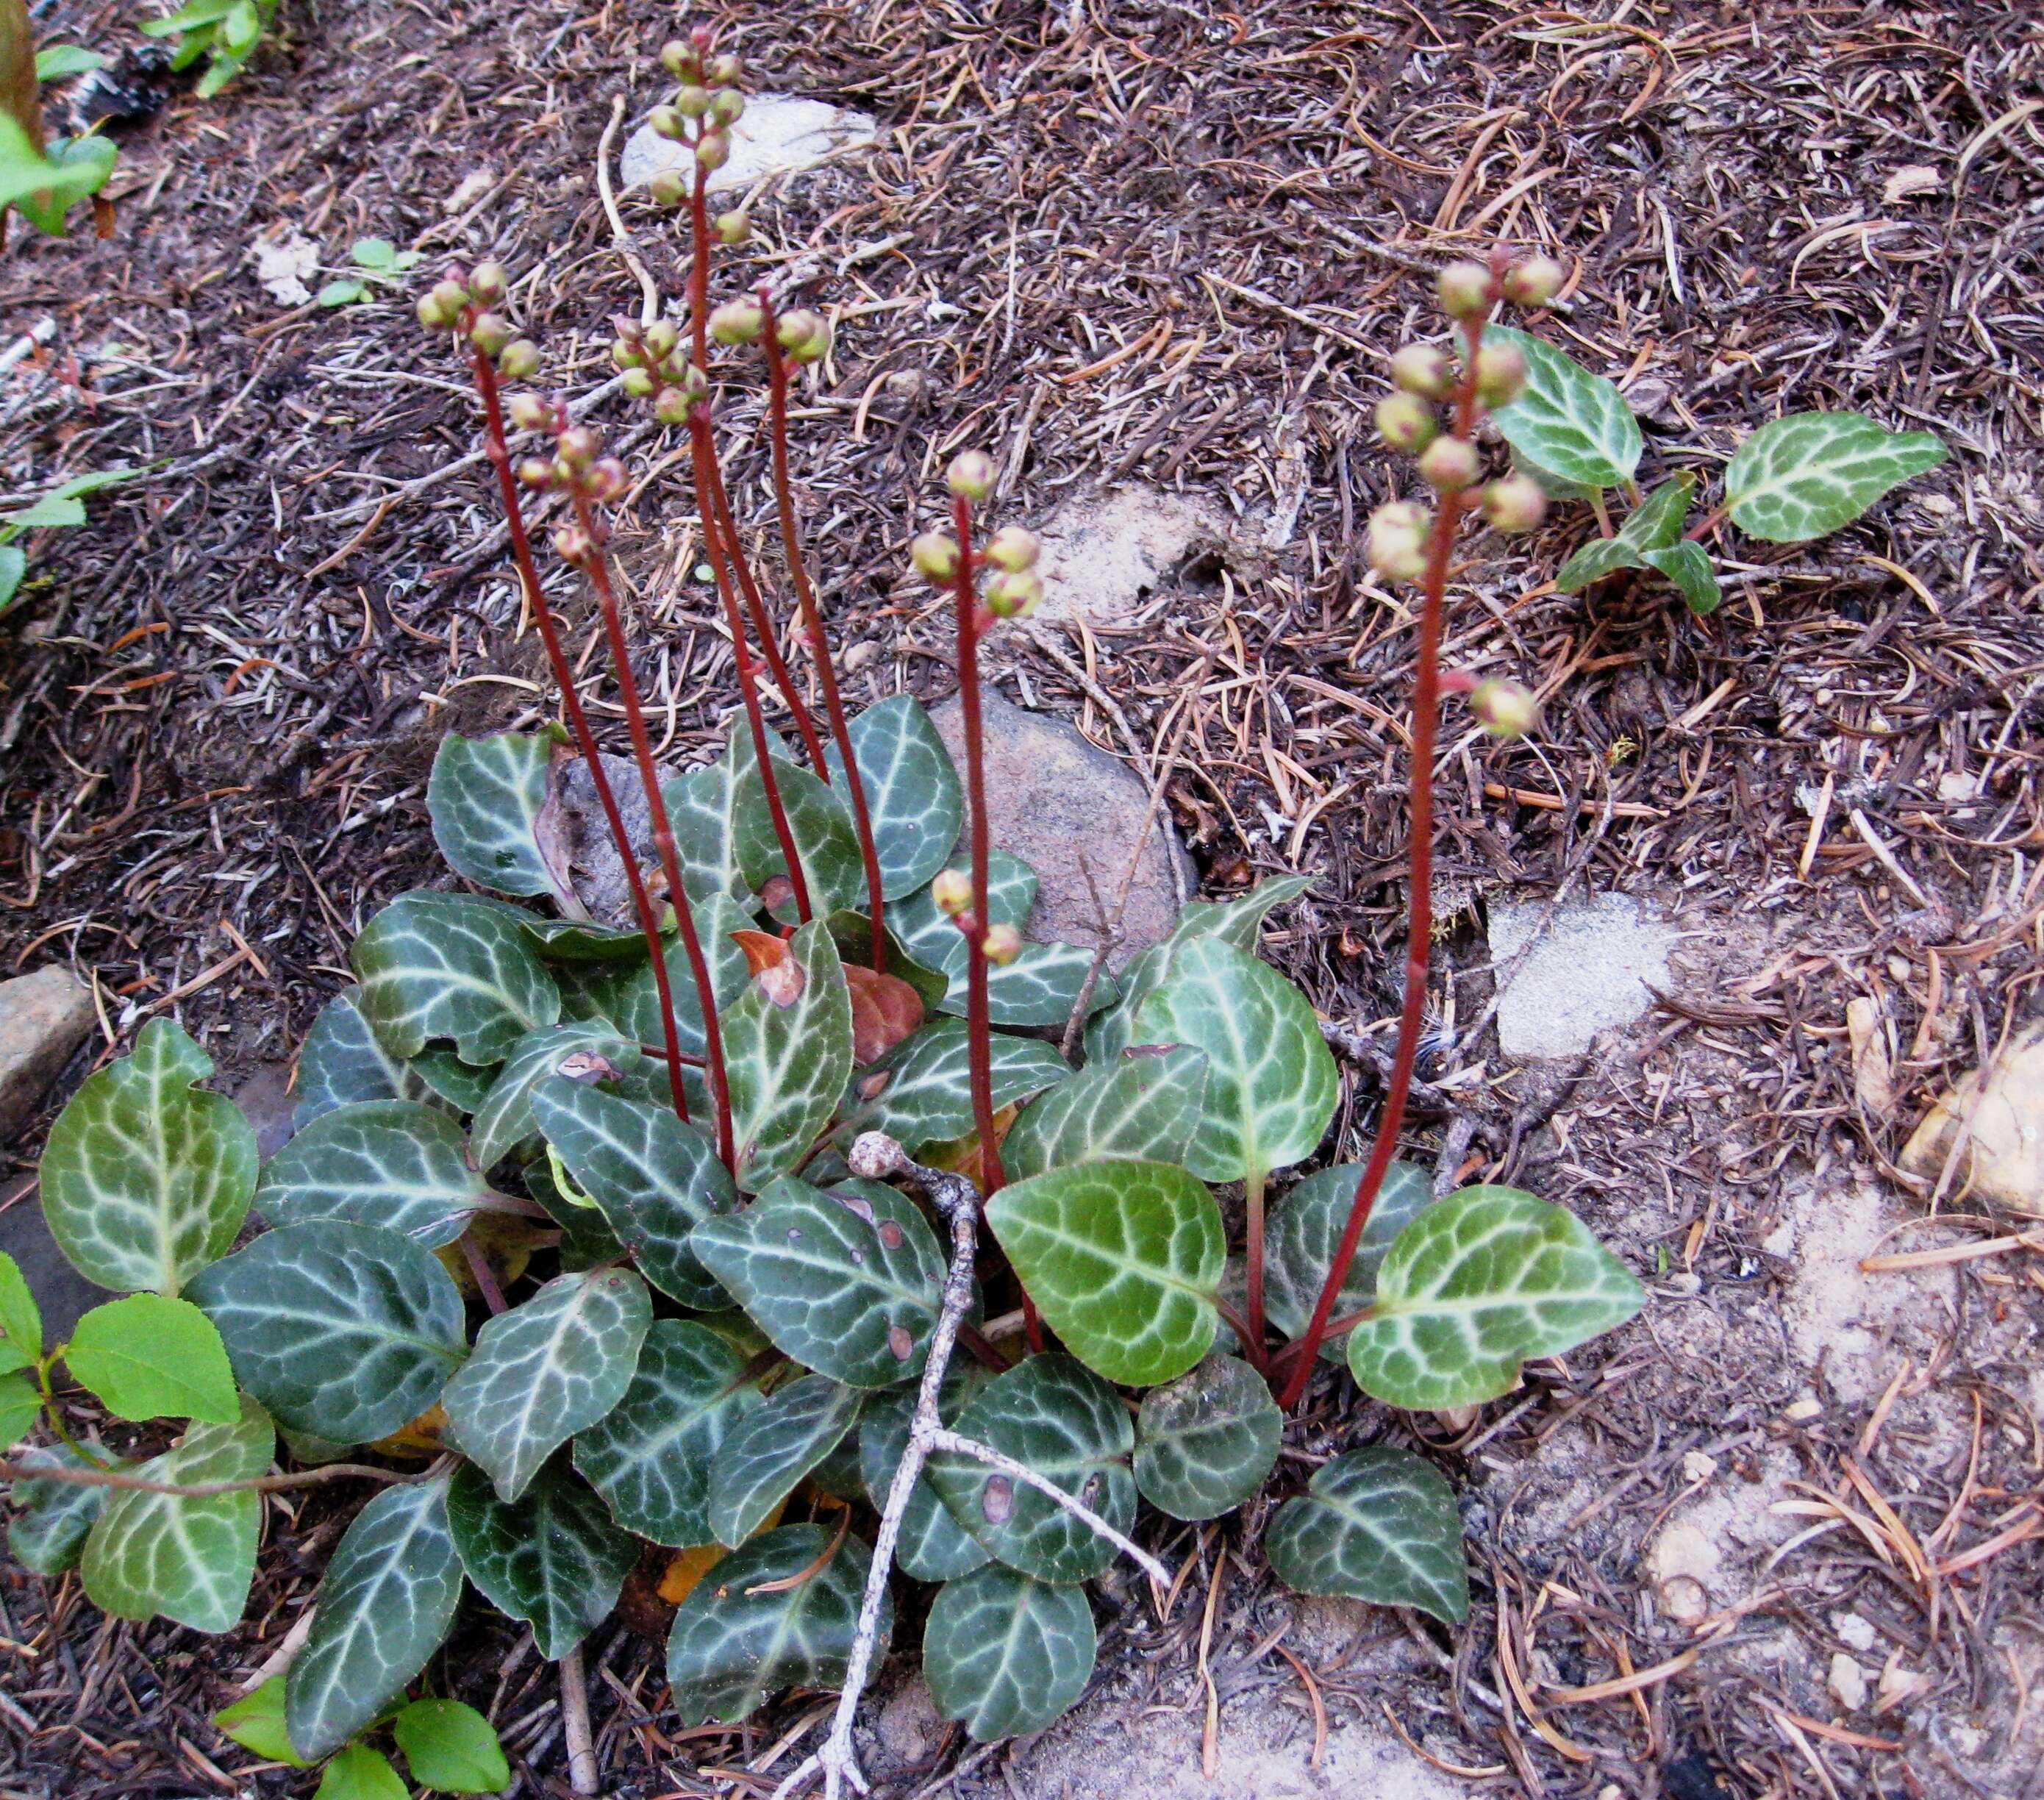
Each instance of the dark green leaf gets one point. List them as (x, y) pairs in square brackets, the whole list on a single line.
[(486, 797), (1039, 987), (921, 1092), (1654, 525), (699, 813), (391, 1163), (912, 797), (446, 1077), (632, 1001), (1006, 1654), (773, 1449), (451, 1748), (826, 844), (148, 1357), (1204, 1444), (1305, 1231), (1800, 477), (1143, 1106), (1377, 1525), (932, 937), (48, 1534), (505, 1117), (788, 1059), (447, 965), (552, 1558), (1689, 567), (341, 1063), (933, 1546)]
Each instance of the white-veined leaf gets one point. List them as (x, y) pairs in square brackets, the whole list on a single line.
[(1378, 1525), (450, 965), (1800, 477)]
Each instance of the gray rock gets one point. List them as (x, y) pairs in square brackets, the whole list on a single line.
[(1105, 555), (265, 1100), (1053, 798), (598, 870), (61, 1292), (45, 1016), (779, 133), (1598, 967)]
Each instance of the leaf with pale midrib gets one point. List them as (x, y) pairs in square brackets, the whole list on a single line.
[(1305, 1231), (393, 1162), (340, 1063), (484, 797), (505, 1117), (1143, 1106), (921, 1092), (773, 1449), (932, 1545), (1566, 420), (455, 966), (1204, 1444), (913, 795), (1006, 1654), (1378, 1525), (1808, 474), (788, 1065), (48, 1532), (552, 1558)]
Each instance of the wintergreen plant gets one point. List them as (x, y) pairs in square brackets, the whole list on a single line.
[(652, 1228), (378, 263)]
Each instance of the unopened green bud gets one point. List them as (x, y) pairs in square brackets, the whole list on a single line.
[(572, 544), (537, 472), (640, 383), (727, 108), (577, 447), (952, 891), (1517, 503), (432, 315), (450, 300), (691, 102), (1014, 596), (1466, 289), (1397, 541), (519, 360), (488, 284), (1500, 373), (1534, 281), (670, 406), (666, 121), (1421, 369), (714, 150), (1405, 422), (735, 322), (971, 474), (626, 355), (1449, 463), (1012, 549), (679, 60), (608, 478), (1504, 708), (724, 70), (935, 555), (529, 412), (803, 335), (668, 187), (1001, 945), (732, 227), (660, 338), (490, 333)]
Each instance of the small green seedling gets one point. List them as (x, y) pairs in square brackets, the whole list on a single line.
[(43, 184), (225, 32), (381, 264), (64, 505), (448, 1747), (58, 62)]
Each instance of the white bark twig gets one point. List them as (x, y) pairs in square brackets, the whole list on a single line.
[(875, 1156), (574, 1726)]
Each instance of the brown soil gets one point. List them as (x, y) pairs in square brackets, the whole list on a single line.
[(217, 707)]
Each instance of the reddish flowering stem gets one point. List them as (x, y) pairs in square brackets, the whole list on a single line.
[(705, 460), (663, 843), (979, 1033), (1419, 909), (498, 452), (812, 623)]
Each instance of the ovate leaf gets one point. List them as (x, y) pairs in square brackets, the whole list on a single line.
[(256, 1723), (654, 1178), (1653, 524), (1566, 420), (1305, 1231), (148, 1357), (846, 1281), (1040, 987), (391, 1163), (1204, 1444), (1476, 1285), (1689, 568), (1006, 1654), (699, 814), (1143, 1106), (341, 1063), (386, 1605), (1377, 1525), (631, 1001), (773, 1449), (651, 1455), (189, 1559), (147, 1177), (485, 797), (356, 1772), (451, 1747), (932, 1546), (1123, 1258), (47, 1532), (1800, 477), (344, 1331), (553, 1558), (781, 1612), (826, 843), (1271, 1084), (505, 1116), (447, 965), (929, 935), (545, 1370), (921, 1091), (21, 1319), (1055, 1414), (788, 1053), (20, 1404), (913, 796)]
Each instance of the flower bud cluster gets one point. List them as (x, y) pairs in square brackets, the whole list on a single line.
[(1013, 588), (704, 108), (578, 466), (653, 366), (462, 300)]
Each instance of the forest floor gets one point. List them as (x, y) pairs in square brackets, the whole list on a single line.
[(1781, 1535)]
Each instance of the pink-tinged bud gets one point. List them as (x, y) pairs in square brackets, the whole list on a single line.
[(578, 447), (971, 475), (1500, 373), (490, 334), (572, 544), (1001, 945), (670, 406), (679, 60), (693, 101), (608, 478), (537, 472), (1421, 369), (668, 187), (703, 36), (732, 227), (1517, 503), (529, 412), (668, 122), (935, 555), (726, 108), (952, 891), (488, 284), (723, 71), (660, 339), (1448, 463), (1504, 708), (693, 382), (1534, 281), (450, 300), (1397, 541), (1014, 596), (1012, 549), (641, 384), (803, 335), (1466, 290), (626, 355), (519, 361), (431, 316), (735, 322), (714, 150), (1405, 422)]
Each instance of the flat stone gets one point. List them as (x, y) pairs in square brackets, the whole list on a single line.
[(45, 1016), (597, 869), (62, 1293), (2003, 1157), (1105, 555), (778, 134), (1598, 967), (1052, 797), (266, 1101)]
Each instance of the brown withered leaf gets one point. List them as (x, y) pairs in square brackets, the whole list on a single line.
[(767, 959), (885, 1008)]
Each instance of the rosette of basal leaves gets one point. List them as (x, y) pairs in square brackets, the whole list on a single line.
[(1477, 1284), (1378, 1525), (846, 1280), (1124, 1260), (782, 1612), (147, 1177)]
